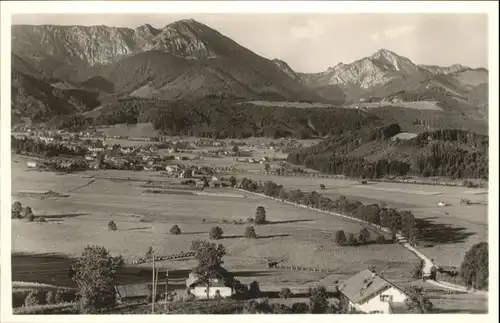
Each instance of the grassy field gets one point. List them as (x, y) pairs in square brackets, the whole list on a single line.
[(449, 231), (299, 236), (284, 104)]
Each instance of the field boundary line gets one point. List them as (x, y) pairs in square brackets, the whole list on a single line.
[(399, 238)]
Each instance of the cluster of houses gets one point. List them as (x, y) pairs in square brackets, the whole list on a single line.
[(365, 292)]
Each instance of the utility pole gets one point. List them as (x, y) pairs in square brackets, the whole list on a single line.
[(166, 289), (153, 286)]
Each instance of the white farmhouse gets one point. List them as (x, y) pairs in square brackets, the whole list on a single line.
[(370, 293), (218, 287), (31, 164)]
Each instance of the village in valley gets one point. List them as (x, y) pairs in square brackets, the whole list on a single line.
[(192, 184), (167, 169)]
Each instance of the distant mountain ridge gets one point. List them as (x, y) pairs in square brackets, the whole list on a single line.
[(386, 72), (187, 60), (184, 59)]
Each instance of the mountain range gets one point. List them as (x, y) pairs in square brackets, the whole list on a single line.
[(75, 69)]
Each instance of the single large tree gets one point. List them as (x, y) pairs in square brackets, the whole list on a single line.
[(417, 301), (474, 269), (94, 275), (260, 215), (209, 256)]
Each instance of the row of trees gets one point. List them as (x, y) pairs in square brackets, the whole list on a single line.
[(363, 238), (403, 221), (37, 147)]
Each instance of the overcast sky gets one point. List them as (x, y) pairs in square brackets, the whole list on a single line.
[(313, 42)]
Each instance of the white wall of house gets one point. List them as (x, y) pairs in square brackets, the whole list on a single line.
[(31, 164), (381, 301), (201, 292)]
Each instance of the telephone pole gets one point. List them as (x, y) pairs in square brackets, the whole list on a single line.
[(166, 289)]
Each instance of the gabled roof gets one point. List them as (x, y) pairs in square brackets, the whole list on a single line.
[(133, 290), (364, 285)]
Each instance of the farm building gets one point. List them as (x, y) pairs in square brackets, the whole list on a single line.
[(370, 293), (221, 286), (31, 164), (216, 183), (134, 293), (172, 169)]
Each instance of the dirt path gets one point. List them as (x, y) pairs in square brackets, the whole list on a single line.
[(81, 186)]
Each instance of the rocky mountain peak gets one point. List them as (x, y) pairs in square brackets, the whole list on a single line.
[(146, 30)]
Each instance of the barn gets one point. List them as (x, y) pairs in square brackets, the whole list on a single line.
[(137, 293)]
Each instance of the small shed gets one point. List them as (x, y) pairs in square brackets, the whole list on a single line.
[(31, 164), (132, 293)]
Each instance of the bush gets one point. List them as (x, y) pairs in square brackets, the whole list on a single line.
[(58, 297), (175, 230), (340, 237), (254, 289), (112, 226), (322, 186), (351, 240), (30, 217), (216, 233), (300, 308), (318, 300), (250, 232), (286, 293), (364, 236), (380, 239), (260, 215), (203, 220), (16, 210), (250, 220), (417, 270), (31, 299), (26, 212), (41, 219), (259, 306), (281, 309), (49, 297)]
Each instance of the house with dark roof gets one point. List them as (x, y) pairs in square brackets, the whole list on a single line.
[(368, 292), (136, 293)]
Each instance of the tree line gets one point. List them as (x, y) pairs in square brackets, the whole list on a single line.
[(224, 117), (393, 219), (448, 152), (37, 147)]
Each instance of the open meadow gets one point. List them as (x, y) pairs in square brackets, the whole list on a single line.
[(449, 231), (298, 236)]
